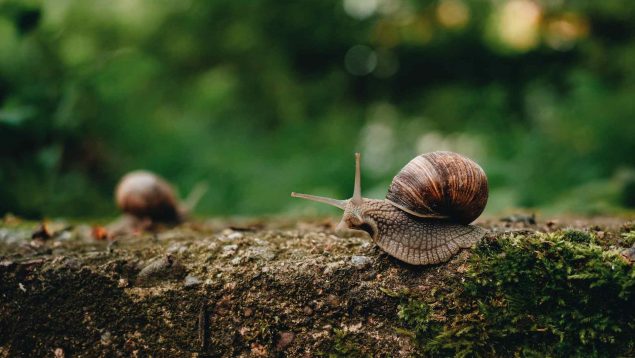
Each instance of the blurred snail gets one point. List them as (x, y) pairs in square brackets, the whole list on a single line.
[(426, 214), (145, 195)]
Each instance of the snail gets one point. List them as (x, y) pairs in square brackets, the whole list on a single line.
[(145, 195), (426, 214)]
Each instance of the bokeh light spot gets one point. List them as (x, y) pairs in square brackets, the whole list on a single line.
[(360, 9), (564, 31), (453, 14), (360, 60), (519, 24), (420, 31)]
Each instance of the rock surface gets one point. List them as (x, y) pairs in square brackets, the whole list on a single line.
[(216, 288)]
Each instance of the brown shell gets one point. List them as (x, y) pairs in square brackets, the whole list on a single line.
[(440, 185), (146, 195)]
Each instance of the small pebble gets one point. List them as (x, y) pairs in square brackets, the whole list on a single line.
[(235, 236), (59, 353), (65, 236), (36, 243), (163, 268), (258, 350), (106, 338), (285, 340), (229, 250), (260, 252), (332, 267), (360, 261), (629, 254), (177, 248), (191, 281), (122, 283), (333, 300)]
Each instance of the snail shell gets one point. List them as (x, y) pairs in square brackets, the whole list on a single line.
[(146, 195), (442, 185)]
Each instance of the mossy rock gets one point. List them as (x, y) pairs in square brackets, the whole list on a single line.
[(293, 288)]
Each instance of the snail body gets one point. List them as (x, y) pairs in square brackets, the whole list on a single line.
[(426, 214)]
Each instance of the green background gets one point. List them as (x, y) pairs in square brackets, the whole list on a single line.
[(261, 98)]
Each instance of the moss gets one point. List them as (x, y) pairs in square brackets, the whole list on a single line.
[(577, 236), (628, 238), (345, 345), (545, 294), (416, 314)]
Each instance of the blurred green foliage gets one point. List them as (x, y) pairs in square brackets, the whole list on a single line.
[(262, 98)]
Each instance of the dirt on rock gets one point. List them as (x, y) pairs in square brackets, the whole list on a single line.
[(218, 288)]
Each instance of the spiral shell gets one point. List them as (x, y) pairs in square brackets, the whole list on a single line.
[(145, 195), (440, 185)]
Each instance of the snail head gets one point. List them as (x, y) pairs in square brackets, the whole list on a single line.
[(354, 217)]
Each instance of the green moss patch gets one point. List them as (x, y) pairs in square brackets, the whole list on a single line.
[(628, 238), (544, 294)]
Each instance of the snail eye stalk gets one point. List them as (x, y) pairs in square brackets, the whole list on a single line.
[(321, 199), (357, 189)]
